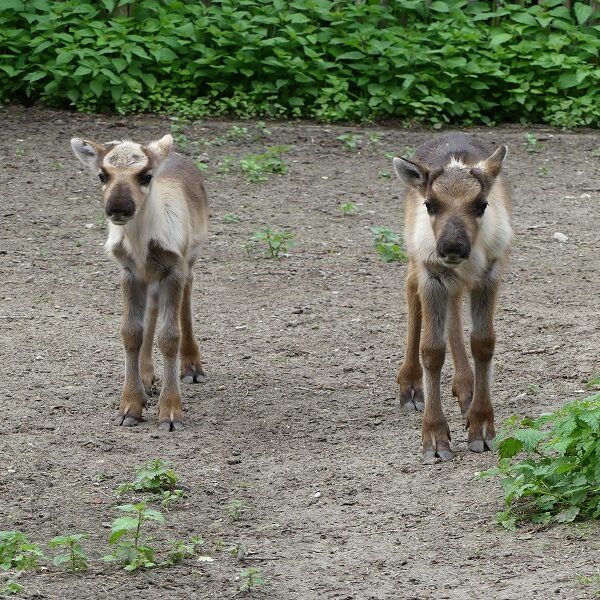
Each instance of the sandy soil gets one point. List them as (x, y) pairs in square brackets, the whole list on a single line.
[(299, 419)]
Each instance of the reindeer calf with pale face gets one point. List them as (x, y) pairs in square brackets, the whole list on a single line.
[(157, 214), (458, 234)]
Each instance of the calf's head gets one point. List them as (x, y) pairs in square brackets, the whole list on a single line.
[(455, 197), (125, 170)]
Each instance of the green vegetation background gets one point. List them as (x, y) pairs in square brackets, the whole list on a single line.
[(439, 61)]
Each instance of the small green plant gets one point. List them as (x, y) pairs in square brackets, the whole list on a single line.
[(237, 550), (57, 165), (594, 382), (374, 139), (351, 140), (234, 510), (156, 476), (101, 221), (255, 167), (76, 559), (532, 144), (169, 497), (592, 581), (276, 243), (544, 170), (252, 579), (230, 218), (10, 588), (533, 388), (202, 166), (130, 549), (549, 466), (388, 245), (17, 552), (19, 152), (348, 209), (181, 140), (181, 550), (225, 165), (384, 174), (238, 133), (263, 129), (408, 152)]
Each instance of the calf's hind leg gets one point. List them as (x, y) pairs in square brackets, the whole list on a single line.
[(190, 356), (146, 360), (170, 409), (410, 374)]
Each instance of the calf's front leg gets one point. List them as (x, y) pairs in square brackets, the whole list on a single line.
[(480, 416), (170, 409), (133, 398), (435, 433), (410, 373)]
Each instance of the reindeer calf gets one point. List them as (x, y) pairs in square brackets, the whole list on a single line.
[(157, 211), (458, 233)]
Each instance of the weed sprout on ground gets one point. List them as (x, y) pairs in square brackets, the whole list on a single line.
[(532, 144), (156, 477), (18, 553), (130, 548), (275, 243), (75, 558), (257, 167), (11, 588), (234, 510), (230, 218), (252, 579), (388, 245), (348, 209)]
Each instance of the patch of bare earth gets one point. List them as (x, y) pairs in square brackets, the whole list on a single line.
[(299, 419)]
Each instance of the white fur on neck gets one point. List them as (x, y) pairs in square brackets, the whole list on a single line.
[(163, 217)]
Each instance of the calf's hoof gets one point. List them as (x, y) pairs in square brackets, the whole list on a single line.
[(411, 400), (126, 420), (431, 456), (170, 425), (481, 433), (436, 443), (193, 374)]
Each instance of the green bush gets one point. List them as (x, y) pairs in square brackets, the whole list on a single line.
[(550, 466), (451, 61)]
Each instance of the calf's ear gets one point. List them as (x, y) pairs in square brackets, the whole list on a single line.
[(88, 152), (409, 172), (493, 163), (162, 148)]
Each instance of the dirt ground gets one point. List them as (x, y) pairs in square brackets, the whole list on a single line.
[(299, 419)]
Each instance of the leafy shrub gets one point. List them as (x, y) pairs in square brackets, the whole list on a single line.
[(550, 466), (444, 61)]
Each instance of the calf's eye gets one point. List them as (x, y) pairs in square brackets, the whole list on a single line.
[(481, 209), (102, 177), (430, 208), (145, 179)]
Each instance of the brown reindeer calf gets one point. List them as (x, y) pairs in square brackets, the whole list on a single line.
[(157, 211), (458, 234)]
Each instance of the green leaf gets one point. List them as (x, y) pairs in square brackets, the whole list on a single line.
[(568, 515), (582, 12)]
